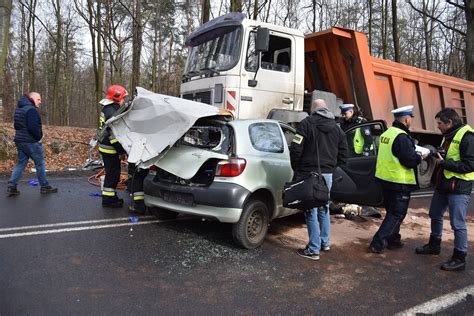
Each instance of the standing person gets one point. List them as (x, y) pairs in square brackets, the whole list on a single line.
[(396, 170), (135, 186), (109, 147), (453, 179), (349, 118), (28, 133), (359, 142), (319, 127)]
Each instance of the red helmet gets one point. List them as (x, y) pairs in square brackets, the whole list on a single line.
[(116, 93)]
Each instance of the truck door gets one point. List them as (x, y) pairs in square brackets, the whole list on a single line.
[(355, 182), (275, 79)]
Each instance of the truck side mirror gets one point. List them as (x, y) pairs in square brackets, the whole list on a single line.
[(263, 38), (252, 83)]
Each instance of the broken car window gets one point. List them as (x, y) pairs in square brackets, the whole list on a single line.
[(266, 137)]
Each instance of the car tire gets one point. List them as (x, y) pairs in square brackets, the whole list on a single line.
[(161, 213), (249, 232), (425, 170)]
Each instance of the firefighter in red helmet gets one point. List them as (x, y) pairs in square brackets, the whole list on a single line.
[(109, 147)]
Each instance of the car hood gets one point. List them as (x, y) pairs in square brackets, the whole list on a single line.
[(153, 123)]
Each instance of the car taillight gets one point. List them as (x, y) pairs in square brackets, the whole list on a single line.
[(231, 168)]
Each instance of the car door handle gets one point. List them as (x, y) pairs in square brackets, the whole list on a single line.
[(287, 100)]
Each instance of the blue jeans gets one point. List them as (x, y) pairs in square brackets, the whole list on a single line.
[(318, 222), (457, 204), (26, 151), (396, 207)]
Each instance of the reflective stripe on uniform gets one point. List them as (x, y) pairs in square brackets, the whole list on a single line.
[(109, 192), (107, 149), (358, 142), (113, 140), (138, 196), (454, 154), (388, 166)]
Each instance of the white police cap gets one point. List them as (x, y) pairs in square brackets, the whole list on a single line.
[(403, 111), (346, 107)]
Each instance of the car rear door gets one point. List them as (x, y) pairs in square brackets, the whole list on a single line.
[(355, 182)]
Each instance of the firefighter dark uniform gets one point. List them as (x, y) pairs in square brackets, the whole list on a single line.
[(396, 170), (109, 147), (136, 177), (453, 179)]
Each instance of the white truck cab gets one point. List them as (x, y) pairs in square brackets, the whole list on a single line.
[(233, 65)]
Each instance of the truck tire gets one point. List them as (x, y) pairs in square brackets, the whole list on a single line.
[(161, 213), (425, 170), (249, 232)]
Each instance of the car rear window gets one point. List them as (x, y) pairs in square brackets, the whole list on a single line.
[(214, 138), (266, 137)]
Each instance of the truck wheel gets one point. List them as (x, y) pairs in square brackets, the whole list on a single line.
[(162, 213), (249, 232), (425, 170)]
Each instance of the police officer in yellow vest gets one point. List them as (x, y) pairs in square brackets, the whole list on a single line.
[(358, 144), (396, 170), (453, 180)]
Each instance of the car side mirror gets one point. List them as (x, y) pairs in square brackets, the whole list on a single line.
[(263, 39), (252, 83)]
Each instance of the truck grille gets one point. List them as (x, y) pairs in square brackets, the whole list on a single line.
[(204, 97)]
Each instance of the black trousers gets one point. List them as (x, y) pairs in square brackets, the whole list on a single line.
[(112, 171), (396, 207), (136, 178)]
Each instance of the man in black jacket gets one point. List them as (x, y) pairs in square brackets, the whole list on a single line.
[(28, 133), (453, 180), (319, 127)]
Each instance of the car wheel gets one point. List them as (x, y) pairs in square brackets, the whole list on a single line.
[(162, 213), (249, 232), (425, 170)]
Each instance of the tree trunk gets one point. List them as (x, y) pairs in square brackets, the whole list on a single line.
[(206, 9), (235, 5), (469, 12), (137, 30), (5, 14), (396, 42)]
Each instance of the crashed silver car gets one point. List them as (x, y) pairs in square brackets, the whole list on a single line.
[(232, 171), (207, 164)]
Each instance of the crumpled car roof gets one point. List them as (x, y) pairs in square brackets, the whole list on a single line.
[(153, 123)]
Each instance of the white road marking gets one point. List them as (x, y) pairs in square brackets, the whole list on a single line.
[(73, 229), (441, 303), (107, 220)]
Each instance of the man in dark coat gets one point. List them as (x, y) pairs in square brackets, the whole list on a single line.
[(28, 133), (453, 180), (319, 127)]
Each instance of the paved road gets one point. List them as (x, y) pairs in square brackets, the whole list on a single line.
[(64, 254)]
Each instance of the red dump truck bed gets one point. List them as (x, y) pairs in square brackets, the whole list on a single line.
[(338, 60)]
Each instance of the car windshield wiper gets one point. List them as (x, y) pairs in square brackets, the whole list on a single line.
[(191, 74), (210, 70)]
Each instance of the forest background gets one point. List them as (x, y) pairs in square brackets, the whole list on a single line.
[(71, 50)]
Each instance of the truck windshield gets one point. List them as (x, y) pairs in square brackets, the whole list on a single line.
[(220, 53)]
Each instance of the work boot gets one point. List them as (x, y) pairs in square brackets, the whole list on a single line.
[(137, 208), (112, 202), (456, 263), (433, 247), (12, 191), (395, 245), (48, 189)]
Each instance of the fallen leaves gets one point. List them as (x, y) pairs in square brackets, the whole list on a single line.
[(64, 147)]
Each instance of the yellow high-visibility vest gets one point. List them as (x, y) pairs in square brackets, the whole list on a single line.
[(454, 154), (388, 166)]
